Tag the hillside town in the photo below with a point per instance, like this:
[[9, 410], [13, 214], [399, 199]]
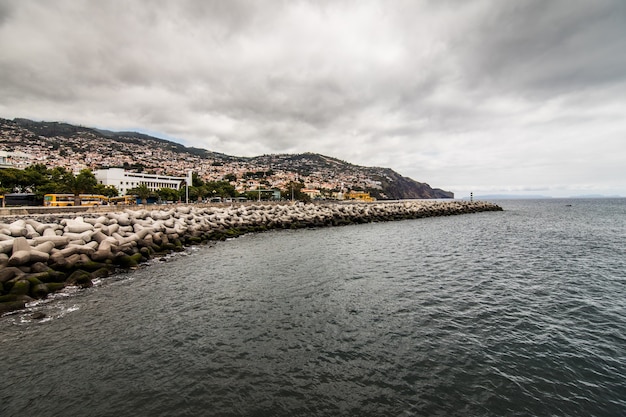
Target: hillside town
[[24, 143], [21, 147]]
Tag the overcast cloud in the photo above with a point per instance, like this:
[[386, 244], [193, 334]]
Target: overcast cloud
[[489, 96]]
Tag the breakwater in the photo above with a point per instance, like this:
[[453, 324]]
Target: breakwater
[[41, 255]]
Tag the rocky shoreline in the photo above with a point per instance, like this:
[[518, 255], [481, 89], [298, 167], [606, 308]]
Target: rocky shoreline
[[43, 254]]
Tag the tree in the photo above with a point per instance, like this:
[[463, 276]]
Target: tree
[[230, 178], [196, 181], [167, 194], [40, 180], [293, 190], [197, 193], [57, 174], [55, 181], [63, 181], [106, 190], [83, 183], [9, 179], [143, 192], [22, 181], [34, 176], [4, 190], [220, 189]]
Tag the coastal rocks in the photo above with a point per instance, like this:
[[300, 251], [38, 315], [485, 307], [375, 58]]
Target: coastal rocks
[[41, 256], [23, 253], [77, 225]]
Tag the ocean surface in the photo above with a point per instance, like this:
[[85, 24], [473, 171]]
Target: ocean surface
[[513, 313]]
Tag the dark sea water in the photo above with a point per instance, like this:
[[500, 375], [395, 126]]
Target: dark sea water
[[514, 313]]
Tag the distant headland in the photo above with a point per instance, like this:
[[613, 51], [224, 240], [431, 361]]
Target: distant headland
[[536, 197]]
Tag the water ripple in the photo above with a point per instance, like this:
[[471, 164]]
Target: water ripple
[[515, 313]]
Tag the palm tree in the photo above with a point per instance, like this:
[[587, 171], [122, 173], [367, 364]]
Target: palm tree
[[143, 192], [83, 183]]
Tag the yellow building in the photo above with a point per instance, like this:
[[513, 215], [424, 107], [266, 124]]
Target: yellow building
[[358, 195], [312, 193]]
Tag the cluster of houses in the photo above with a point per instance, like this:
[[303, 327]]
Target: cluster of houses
[[159, 167], [124, 180]]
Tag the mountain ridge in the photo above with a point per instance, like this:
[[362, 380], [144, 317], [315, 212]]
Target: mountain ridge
[[54, 142]]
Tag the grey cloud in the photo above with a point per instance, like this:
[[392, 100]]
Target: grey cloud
[[547, 47], [5, 11], [433, 87]]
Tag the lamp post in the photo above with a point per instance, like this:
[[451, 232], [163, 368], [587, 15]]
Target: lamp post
[[187, 182]]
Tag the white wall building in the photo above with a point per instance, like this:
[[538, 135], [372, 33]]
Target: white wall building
[[18, 160], [126, 180]]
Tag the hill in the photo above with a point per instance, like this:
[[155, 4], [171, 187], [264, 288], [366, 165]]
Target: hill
[[71, 146]]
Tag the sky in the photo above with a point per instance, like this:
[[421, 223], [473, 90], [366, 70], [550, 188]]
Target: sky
[[524, 97]]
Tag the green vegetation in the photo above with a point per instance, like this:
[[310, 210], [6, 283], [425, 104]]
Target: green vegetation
[[293, 191], [143, 192], [83, 183], [168, 194], [72, 142], [203, 190], [39, 180], [230, 178], [106, 190]]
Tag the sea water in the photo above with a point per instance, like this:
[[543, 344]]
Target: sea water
[[516, 313]]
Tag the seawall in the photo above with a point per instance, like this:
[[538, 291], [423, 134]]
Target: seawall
[[41, 253]]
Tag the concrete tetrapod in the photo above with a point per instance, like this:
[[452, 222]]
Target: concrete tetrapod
[[38, 257]]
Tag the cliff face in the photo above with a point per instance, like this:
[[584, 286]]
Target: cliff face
[[396, 187], [381, 183]]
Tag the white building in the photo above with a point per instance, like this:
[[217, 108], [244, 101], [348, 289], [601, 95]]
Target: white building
[[18, 160], [126, 180]]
